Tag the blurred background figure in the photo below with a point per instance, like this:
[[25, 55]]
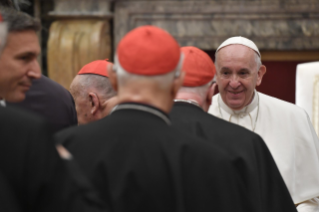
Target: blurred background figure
[[307, 90], [92, 92], [51, 101]]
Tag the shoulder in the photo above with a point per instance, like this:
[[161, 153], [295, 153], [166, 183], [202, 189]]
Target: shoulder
[[54, 87], [280, 105], [194, 145], [12, 116], [82, 133], [20, 129], [50, 83], [231, 133]]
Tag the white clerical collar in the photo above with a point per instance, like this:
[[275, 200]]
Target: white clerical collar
[[2, 103], [142, 107], [190, 101], [248, 109], [246, 117]]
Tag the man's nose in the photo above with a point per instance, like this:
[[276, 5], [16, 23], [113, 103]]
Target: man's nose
[[34, 72], [234, 83]]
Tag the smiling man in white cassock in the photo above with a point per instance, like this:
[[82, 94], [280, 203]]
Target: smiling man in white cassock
[[285, 128]]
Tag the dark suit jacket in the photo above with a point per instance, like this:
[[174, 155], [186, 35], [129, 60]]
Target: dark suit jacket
[[39, 179], [51, 101], [248, 151], [8, 201], [139, 163]]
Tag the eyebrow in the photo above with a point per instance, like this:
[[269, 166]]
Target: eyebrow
[[244, 69], [228, 69], [225, 69], [32, 54]]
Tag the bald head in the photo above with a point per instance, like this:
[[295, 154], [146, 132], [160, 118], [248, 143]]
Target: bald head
[[93, 95], [92, 82]]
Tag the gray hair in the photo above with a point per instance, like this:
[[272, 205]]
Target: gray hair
[[199, 90], [164, 81], [257, 60], [19, 21], [3, 35], [100, 83]]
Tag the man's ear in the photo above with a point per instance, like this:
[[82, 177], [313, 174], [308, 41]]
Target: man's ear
[[260, 74], [210, 93], [95, 103], [113, 77], [177, 83]]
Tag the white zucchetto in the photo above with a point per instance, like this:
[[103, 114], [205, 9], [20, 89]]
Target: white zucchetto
[[240, 40]]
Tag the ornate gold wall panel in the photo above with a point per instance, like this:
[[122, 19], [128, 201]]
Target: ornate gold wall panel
[[74, 43], [315, 106], [272, 24]]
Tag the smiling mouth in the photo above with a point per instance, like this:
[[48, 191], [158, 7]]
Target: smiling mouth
[[235, 92], [26, 85]]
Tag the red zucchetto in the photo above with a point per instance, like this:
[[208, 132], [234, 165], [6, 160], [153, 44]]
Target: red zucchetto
[[198, 66], [148, 50], [98, 67]]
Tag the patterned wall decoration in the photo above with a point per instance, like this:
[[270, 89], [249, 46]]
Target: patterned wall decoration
[[272, 24]]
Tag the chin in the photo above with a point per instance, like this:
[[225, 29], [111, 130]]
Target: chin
[[15, 98], [235, 105]]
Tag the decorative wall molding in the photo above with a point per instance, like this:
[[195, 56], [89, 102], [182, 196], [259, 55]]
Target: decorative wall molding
[[272, 24], [82, 8]]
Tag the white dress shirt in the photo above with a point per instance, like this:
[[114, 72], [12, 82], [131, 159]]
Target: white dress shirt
[[2, 102]]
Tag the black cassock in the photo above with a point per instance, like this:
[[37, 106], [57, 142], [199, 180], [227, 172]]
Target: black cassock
[[138, 162], [8, 201], [36, 178], [254, 162]]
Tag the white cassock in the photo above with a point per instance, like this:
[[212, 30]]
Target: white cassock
[[290, 137]]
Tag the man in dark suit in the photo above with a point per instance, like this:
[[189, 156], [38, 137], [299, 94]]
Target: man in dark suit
[[253, 160], [51, 101], [134, 157], [35, 176]]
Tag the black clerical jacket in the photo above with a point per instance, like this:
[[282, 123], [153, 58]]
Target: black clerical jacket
[[51, 101], [140, 163], [253, 161], [37, 178]]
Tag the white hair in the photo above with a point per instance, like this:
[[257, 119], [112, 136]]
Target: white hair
[[100, 83], [164, 81], [3, 35], [199, 90]]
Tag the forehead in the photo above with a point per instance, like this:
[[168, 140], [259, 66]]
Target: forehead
[[236, 55], [23, 41]]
